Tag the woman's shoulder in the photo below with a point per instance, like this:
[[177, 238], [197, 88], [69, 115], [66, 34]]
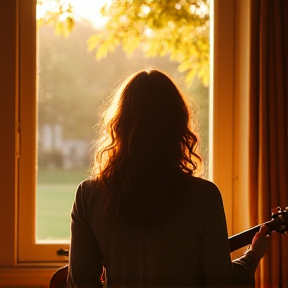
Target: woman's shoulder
[[202, 183], [203, 188], [87, 188], [87, 194], [205, 197], [88, 183]]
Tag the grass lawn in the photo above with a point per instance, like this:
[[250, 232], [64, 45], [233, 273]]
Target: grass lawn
[[55, 195]]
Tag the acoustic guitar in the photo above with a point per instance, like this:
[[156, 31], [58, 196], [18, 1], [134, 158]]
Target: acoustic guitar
[[278, 223]]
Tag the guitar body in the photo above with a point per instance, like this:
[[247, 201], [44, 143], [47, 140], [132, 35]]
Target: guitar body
[[59, 278]]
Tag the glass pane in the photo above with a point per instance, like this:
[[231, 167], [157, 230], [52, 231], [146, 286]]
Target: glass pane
[[72, 85]]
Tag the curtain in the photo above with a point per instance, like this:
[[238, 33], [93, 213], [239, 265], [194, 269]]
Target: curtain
[[268, 130]]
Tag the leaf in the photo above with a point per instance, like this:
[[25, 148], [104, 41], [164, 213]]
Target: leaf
[[174, 29], [101, 52]]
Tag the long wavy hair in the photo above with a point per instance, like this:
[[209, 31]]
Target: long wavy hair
[[147, 137]]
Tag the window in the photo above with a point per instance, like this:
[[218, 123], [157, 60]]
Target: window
[[59, 154], [72, 87], [36, 239], [229, 114]]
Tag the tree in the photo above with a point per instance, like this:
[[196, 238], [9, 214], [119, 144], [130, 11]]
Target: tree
[[178, 28], [72, 86]]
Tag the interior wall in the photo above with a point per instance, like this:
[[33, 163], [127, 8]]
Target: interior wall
[[8, 126]]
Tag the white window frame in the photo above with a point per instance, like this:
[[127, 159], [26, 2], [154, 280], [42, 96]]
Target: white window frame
[[229, 84]]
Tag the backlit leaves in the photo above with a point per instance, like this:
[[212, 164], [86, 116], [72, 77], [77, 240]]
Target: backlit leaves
[[178, 28], [58, 13]]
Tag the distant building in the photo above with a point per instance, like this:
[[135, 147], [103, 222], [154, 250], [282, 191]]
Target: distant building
[[54, 150], [75, 153]]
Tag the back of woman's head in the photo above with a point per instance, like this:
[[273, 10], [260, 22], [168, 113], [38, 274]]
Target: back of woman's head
[[148, 126], [147, 146]]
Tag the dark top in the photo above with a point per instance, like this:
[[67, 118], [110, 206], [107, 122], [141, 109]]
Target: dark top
[[187, 248]]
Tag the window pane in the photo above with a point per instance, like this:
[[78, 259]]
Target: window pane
[[72, 86]]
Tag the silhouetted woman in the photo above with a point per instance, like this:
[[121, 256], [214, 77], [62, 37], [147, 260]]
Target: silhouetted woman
[[144, 215]]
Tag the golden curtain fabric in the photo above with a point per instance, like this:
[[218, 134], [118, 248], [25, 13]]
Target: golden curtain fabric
[[268, 142]]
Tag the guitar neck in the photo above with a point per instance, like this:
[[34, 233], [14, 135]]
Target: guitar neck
[[242, 239], [245, 238]]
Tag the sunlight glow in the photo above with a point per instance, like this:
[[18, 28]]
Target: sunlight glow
[[201, 9], [144, 11], [88, 10]]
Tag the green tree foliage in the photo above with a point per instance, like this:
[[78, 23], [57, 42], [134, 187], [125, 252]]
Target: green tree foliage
[[57, 12], [72, 86], [177, 28]]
